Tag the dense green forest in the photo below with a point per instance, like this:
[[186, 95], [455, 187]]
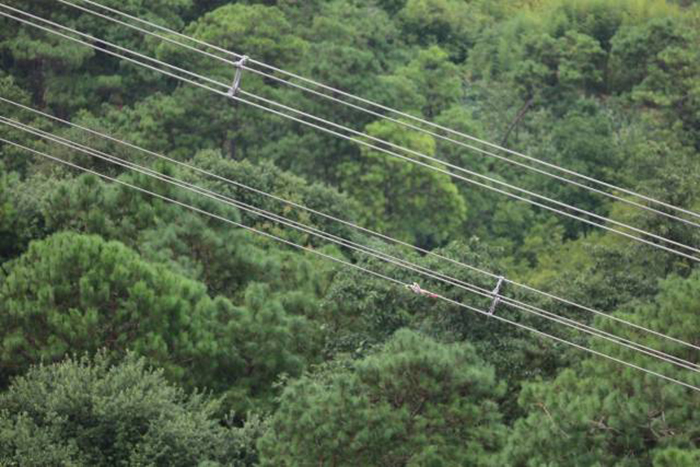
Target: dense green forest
[[134, 331]]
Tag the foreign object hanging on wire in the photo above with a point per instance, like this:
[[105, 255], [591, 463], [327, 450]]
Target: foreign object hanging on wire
[[416, 289]]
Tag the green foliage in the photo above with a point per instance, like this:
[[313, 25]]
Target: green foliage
[[608, 89], [676, 457], [636, 47], [163, 122], [362, 311], [392, 6], [602, 413], [83, 412], [255, 30], [417, 402], [434, 79], [266, 177], [667, 167], [159, 230], [8, 220], [561, 48], [350, 43], [74, 293], [13, 159], [451, 24], [354, 46], [87, 293], [656, 54], [401, 198], [206, 249], [50, 63], [256, 344], [582, 141]]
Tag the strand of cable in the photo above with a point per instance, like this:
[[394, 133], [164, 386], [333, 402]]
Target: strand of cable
[[355, 266], [474, 174], [404, 115], [383, 150], [161, 70], [383, 116], [238, 56], [575, 304], [325, 216], [469, 172], [446, 279], [384, 142], [216, 91]]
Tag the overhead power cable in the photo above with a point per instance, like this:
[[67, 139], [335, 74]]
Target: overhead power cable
[[339, 92], [407, 150], [328, 217], [374, 147], [124, 57], [403, 115], [355, 266], [191, 82], [343, 242]]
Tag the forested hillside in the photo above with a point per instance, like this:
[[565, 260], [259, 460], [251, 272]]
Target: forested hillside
[[209, 259]]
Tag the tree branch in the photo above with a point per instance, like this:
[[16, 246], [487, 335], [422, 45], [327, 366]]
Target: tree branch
[[521, 113]]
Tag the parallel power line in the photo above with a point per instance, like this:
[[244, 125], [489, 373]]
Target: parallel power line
[[309, 210], [363, 142], [99, 49], [352, 265], [189, 81], [403, 115], [344, 242]]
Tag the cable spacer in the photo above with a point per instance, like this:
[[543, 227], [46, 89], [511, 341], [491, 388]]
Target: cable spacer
[[237, 78], [496, 296]]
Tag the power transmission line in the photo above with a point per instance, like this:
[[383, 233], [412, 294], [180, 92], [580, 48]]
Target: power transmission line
[[324, 215], [339, 92], [148, 66], [401, 114], [346, 263], [446, 279], [377, 148], [410, 151]]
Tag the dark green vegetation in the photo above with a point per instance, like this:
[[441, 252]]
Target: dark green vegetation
[[134, 332]]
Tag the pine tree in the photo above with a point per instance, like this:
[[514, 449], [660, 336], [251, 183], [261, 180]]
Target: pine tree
[[101, 413], [416, 402]]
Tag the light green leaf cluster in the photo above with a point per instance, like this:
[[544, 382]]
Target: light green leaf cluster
[[96, 412], [416, 402]]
